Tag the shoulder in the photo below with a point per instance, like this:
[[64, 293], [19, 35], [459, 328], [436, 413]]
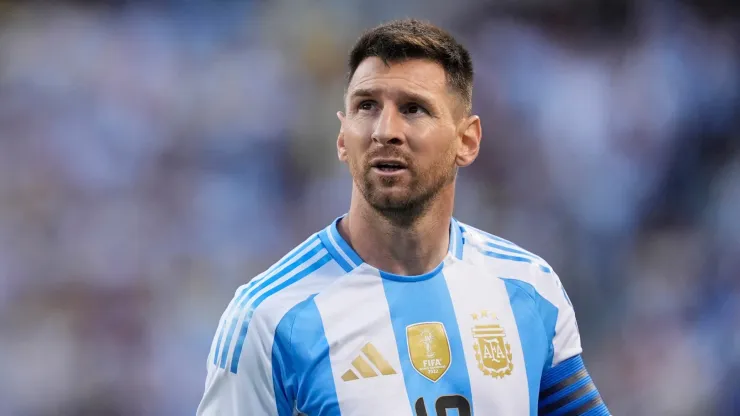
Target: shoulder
[[258, 307], [514, 264], [497, 248], [298, 275]]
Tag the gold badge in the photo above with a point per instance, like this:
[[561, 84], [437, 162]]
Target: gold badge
[[491, 349], [429, 349]]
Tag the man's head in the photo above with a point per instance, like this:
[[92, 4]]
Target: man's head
[[407, 125]]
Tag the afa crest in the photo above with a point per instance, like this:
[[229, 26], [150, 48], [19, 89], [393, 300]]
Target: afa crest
[[491, 349]]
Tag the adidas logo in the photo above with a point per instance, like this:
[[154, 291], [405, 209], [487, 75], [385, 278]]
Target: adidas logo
[[369, 363]]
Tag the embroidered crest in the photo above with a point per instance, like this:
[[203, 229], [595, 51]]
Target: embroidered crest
[[491, 349], [429, 349]]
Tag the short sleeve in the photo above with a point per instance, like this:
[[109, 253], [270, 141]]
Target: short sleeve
[[566, 341], [243, 369]]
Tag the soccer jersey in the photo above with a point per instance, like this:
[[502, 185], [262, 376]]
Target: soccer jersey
[[490, 331]]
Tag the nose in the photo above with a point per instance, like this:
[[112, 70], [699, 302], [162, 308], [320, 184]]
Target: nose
[[389, 127]]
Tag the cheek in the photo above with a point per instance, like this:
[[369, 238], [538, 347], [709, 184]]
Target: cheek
[[356, 143], [355, 137], [354, 149], [438, 147]]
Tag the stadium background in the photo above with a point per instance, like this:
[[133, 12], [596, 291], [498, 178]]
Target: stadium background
[[157, 154]]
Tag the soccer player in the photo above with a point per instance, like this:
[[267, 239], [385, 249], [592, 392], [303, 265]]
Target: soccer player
[[396, 308]]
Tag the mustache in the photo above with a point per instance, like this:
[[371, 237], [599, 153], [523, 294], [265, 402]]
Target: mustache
[[389, 154]]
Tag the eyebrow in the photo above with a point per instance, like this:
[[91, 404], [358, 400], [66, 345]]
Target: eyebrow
[[410, 96]]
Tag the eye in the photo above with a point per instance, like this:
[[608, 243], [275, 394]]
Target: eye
[[414, 108], [366, 105]]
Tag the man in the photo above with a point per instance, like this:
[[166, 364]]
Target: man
[[396, 308]]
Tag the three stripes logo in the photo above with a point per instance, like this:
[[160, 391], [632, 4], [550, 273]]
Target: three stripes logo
[[369, 363]]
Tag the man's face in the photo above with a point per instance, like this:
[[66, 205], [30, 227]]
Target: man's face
[[400, 135]]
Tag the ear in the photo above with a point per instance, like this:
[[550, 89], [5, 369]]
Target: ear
[[341, 149], [470, 136]]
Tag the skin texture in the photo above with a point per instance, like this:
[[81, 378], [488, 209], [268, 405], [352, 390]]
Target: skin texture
[[404, 111]]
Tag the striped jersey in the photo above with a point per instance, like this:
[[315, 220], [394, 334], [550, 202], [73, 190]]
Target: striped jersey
[[490, 331]]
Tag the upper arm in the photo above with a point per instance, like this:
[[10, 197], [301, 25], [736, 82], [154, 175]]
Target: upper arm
[[243, 367], [566, 339], [566, 387]]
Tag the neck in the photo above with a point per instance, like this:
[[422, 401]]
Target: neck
[[407, 248]]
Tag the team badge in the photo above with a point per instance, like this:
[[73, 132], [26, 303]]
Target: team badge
[[429, 349], [491, 349]]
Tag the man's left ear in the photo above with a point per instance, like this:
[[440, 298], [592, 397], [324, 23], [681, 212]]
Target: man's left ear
[[470, 136]]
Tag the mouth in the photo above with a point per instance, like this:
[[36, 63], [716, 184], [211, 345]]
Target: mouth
[[389, 166]]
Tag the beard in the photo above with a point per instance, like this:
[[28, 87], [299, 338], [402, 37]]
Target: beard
[[404, 199]]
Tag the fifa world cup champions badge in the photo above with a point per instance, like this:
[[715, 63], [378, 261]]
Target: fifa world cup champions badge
[[429, 349], [491, 349]]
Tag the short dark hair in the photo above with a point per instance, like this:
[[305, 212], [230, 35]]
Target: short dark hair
[[399, 40]]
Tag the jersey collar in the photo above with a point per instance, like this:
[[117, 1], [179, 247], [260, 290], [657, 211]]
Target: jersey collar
[[349, 260], [339, 249]]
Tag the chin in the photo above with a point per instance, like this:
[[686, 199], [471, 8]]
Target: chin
[[395, 201], [390, 201]]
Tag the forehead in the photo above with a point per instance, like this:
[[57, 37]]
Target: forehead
[[419, 76]]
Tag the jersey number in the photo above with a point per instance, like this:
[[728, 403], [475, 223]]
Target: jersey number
[[443, 404]]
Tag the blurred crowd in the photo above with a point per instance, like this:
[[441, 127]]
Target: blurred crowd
[[157, 154]]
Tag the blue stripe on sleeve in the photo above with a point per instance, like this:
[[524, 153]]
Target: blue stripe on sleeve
[[247, 295], [221, 356], [245, 324], [221, 335], [562, 371], [514, 251], [515, 258], [490, 236], [517, 253], [567, 389], [571, 408]]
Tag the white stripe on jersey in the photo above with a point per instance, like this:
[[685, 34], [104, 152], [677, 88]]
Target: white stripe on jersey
[[490, 395], [362, 295]]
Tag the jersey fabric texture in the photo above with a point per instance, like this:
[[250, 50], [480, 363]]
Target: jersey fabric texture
[[490, 331]]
